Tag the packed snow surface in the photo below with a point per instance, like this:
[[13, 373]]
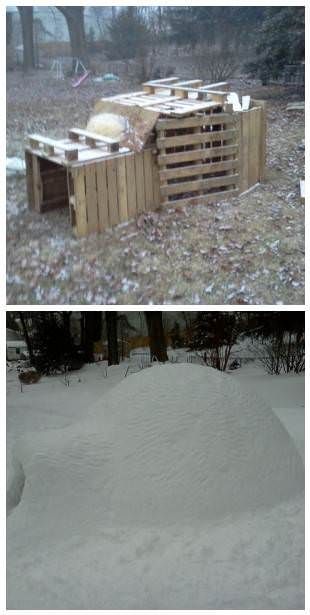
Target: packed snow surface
[[133, 506]]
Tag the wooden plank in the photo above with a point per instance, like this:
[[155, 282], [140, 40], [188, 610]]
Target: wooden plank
[[179, 109], [193, 83], [244, 145], [122, 189], [191, 139], [214, 197], [148, 179], [198, 169], [131, 185], [112, 191], [195, 120], [81, 229], [29, 179], [203, 153], [91, 198], [36, 140], [251, 146], [140, 186], [212, 86], [199, 89], [254, 146], [200, 184], [156, 183], [150, 86], [92, 138], [263, 135], [37, 184], [102, 196]]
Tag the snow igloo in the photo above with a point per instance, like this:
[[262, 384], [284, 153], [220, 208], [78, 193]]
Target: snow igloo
[[173, 443]]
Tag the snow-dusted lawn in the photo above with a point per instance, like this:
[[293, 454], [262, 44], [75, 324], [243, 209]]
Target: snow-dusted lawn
[[71, 547]]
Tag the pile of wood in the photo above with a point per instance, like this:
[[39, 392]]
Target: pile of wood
[[185, 144]]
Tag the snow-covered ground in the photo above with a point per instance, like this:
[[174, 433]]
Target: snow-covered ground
[[177, 487]]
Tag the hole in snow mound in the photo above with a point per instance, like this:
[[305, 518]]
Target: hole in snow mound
[[171, 444]]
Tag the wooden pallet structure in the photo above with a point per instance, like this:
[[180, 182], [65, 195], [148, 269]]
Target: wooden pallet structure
[[194, 149]]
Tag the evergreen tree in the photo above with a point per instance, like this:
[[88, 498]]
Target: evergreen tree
[[128, 35], [280, 41], [51, 344]]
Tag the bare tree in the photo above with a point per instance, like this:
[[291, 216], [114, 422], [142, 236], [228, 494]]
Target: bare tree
[[26, 16], [74, 16], [23, 320], [158, 346]]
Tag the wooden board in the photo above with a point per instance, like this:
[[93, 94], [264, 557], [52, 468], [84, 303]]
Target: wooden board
[[148, 179], [29, 179], [81, 228], [112, 191], [214, 197], [195, 120], [122, 190], [200, 185], [198, 169], [91, 198], [37, 184], [156, 182], [191, 155], [196, 138], [140, 186], [131, 186], [102, 189]]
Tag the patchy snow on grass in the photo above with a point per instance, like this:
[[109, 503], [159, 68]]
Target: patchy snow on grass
[[174, 487]]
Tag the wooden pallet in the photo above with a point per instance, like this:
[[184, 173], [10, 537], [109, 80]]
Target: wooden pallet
[[198, 157], [80, 146], [99, 194], [174, 97]]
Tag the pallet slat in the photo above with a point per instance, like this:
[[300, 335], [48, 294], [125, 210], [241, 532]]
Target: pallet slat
[[199, 184], [194, 138], [112, 191], [91, 198], [103, 208], [148, 179], [198, 169], [122, 190], [80, 203], [191, 155], [131, 186], [214, 197], [195, 120], [92, 138], [140, 183]]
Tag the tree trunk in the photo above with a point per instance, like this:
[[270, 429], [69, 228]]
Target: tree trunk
[[111, 322], [26, 335], [75, 22], [158, 346], [92, 333], [26, 15]]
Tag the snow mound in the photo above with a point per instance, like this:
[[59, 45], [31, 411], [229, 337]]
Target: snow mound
[[107, 125], [171, 444]]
